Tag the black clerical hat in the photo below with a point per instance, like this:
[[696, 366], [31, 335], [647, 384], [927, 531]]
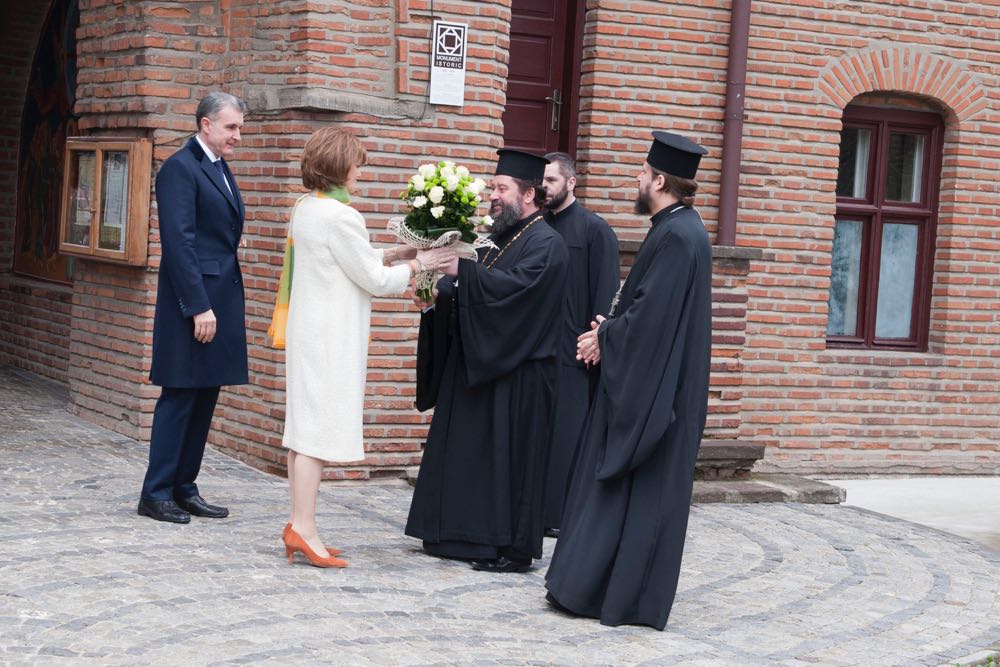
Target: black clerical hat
[[518, 164], [675, 155]]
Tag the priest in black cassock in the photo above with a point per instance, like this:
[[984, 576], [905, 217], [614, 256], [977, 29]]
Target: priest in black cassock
[[486, 362], [619, 551], [593, 280]]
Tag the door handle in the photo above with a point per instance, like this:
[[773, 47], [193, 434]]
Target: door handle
[[556, 99]]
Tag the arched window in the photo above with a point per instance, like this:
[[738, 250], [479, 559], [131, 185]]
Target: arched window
[[883, 245]]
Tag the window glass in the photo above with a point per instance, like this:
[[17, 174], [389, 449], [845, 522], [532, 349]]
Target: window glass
[[845, 278], [897, 271], [852, 179], [81, 197], [905, 173], [114, 203]]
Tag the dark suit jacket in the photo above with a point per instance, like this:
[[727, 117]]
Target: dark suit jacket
[[200, 229]]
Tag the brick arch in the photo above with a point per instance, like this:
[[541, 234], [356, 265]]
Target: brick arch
[[903, 70]]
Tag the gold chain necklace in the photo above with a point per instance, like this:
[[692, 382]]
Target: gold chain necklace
[[509, 243]]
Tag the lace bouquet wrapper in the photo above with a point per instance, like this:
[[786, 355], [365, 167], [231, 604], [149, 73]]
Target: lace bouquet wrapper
[[443, 200]]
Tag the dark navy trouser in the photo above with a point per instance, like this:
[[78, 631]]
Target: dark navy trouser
[[181, 422]]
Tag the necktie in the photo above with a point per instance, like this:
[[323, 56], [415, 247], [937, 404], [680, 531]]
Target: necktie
[[222, 174]]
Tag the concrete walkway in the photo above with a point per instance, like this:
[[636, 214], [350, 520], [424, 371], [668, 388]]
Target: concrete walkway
[[966, 506], [85, 581]]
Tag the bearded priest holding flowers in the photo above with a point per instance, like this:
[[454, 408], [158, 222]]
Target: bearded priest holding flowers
[[486, 361]]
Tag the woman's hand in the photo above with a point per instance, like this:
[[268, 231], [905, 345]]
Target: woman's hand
[[437, 259], [404, 252], [398, 253]]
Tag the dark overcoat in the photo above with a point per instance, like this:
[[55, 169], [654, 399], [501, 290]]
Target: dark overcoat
[[200, 229]]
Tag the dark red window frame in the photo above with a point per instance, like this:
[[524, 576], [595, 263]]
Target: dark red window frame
[[874, 211]]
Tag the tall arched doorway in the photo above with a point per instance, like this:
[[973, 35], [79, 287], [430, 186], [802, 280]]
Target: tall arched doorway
[[46, 120]]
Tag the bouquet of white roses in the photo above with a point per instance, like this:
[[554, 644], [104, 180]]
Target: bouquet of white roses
[[443, 199]]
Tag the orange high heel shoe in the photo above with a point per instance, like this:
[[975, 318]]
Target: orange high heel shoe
[[333, 550], [294, 542]]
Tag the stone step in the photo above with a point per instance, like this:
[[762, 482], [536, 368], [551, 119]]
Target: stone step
[[767, 488], [727, 459]]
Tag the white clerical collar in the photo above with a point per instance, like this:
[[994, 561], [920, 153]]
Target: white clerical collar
[[208, 151]]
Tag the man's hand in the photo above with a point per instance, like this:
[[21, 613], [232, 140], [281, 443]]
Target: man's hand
[[588, 349], [420, 303], [451, 268], [204, 326]]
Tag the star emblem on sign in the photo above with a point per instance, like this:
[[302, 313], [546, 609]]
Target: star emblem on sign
[[449, 41]]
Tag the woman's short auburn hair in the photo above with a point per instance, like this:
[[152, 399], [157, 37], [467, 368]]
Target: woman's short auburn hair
[[328, 157]]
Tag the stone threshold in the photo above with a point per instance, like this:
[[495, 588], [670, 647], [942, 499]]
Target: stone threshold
[[767, 488]]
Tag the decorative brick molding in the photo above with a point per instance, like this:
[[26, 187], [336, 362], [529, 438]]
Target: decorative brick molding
[[903, 69]]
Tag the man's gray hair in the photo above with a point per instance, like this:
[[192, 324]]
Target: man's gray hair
[[567, 165], [214, 102]]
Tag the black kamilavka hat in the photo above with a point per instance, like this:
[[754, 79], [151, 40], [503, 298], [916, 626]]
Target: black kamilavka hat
[[675, 155], [519, 164]]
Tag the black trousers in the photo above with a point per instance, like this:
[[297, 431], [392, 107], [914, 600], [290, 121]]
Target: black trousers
[[181, 422]]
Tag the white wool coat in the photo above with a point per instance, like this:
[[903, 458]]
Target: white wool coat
[[335, 275]]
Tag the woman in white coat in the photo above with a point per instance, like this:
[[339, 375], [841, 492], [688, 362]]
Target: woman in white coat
[[335, 274]]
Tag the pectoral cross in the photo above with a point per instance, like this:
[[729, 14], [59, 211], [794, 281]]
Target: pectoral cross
[[614, 302]]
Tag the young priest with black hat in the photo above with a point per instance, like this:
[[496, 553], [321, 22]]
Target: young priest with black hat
[[486, 362], [619, 551]]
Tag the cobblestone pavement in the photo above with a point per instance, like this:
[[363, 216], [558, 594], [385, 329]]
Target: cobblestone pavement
[[84, 580]]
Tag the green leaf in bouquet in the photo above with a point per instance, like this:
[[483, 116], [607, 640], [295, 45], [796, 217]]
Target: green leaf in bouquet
[[438, 231]]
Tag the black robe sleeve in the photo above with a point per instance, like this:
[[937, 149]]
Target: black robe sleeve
[[604, 268], [436, 329], [642, 351], [505, 314]]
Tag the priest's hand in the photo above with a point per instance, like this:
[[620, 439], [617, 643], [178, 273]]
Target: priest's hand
[[451, 269], [420, 303], [588, 348]]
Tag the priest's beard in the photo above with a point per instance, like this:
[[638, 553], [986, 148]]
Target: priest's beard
[[557, 199], [642, 205], [505, 216]]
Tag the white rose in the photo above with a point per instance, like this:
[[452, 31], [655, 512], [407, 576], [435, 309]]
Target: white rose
[[420, 202], [449, 164], [417, 182], [447, 172], [436, 194], [427, 170], [452, 183], [437, 211], [486, 220], [462, 172], [477, 186]]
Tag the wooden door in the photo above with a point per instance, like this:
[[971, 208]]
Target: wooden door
[[544, 74]]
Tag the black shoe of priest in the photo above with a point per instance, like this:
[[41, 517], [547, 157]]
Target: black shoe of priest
[[502, 564]]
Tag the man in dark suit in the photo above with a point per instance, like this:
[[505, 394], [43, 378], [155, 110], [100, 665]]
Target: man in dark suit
[[199, 333]]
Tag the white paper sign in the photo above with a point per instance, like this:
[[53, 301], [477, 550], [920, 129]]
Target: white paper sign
[[448, 63]]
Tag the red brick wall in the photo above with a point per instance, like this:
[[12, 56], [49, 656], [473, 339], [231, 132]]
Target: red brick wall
[[34, 315], [837, 411], [635, 81]]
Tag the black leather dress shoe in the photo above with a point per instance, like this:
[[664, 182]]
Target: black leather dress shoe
[[163, 510], [501, 564], [551, 532], [197, 506]]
